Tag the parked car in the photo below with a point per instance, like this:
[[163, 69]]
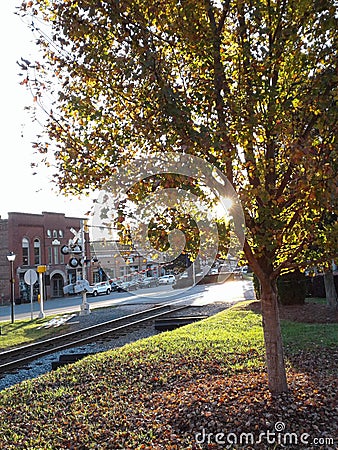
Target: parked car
[[238, 274], [113, 286], [167, 279], [184, 275], [68, 289], [148, 282], [103, 287], [81, 286], [77, 288], [126, 286], [133, 285]]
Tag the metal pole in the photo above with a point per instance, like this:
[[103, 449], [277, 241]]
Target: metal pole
[[85, 307], [31, 290], [41, 314], [12, 291]]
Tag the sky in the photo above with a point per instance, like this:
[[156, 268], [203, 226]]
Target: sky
[[21, 191]]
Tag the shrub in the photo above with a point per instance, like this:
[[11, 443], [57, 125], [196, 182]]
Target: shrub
[[292, 288], [316, 286]]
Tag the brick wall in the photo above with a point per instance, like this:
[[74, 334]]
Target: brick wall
[[50, 231], [4, 264]]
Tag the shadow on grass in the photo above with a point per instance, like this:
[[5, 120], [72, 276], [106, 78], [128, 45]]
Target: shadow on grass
[[310, 337]]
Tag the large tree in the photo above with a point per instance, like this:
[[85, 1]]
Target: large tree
[[250, 86]]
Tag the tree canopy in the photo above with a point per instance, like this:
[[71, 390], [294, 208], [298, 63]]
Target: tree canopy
[[249, 86]]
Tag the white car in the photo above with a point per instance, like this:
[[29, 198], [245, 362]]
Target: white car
[[102, 287], [81, 286], [167, 279], [238, 274]]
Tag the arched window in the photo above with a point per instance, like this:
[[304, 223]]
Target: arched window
[[25, 252], [37, 252]]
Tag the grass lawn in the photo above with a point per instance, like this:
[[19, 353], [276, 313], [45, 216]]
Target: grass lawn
[[26, 331], [308, 336], [317, 300], [198, 387]]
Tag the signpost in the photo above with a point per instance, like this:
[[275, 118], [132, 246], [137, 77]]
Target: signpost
[[41, 270], [85, 307], [73, 248], [31, 278]]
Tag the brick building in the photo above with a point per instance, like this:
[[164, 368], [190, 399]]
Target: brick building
[[37, 239]]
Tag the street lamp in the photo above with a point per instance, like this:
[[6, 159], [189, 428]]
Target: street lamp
[[11, 258]]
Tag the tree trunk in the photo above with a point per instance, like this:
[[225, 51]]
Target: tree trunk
[[273, 338], [330, 290]]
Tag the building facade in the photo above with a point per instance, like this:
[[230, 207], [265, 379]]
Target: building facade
[[121, 263], [37, 239]]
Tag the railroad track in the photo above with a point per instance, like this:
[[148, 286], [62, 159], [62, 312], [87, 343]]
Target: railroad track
[[20, 356]]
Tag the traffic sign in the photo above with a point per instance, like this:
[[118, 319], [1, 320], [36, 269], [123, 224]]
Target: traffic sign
[[73, 262], [30, 277], [65, 249]]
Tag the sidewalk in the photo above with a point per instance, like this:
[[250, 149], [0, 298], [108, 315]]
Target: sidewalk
[[72, 304], [54, 306]]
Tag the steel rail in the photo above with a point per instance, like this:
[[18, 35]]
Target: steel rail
[[74, 339]]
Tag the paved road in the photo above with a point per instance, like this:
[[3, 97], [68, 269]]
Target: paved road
[[230, 291]]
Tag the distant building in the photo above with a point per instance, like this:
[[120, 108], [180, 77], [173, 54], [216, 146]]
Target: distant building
[[114, 261], [37, 239]]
